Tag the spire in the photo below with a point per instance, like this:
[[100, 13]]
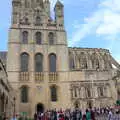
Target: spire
[[59, 13], [47, 6]]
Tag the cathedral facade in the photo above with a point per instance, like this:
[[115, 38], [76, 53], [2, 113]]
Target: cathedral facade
[[44, 72]]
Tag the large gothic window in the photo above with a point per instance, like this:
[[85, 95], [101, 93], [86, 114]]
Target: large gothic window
[[52, 63], [24, 62], [25, 37], [38, 62], [51, 38], [38, 37], [24, 94], [53, 90]]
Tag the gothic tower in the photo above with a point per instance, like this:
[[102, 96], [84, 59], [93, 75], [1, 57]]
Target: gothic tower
[[37, 55]]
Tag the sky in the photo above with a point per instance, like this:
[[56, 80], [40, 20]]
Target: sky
[[89, 23]]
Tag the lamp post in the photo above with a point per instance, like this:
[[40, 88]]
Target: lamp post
[[14, 99]]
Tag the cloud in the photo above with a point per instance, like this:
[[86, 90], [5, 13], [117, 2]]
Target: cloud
[[103, 22]]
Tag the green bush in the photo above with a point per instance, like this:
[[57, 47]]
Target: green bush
[[118, 102]]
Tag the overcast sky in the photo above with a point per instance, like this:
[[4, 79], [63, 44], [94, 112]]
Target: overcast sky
[[89, 23]]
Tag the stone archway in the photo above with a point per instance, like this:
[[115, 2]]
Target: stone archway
[[76, 104], [40, 108], [89, 104]]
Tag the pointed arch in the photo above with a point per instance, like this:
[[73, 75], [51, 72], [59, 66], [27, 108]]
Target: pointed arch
[[71, 61], [25, 37], [95, 61], [52, 62], [51, 38], [82, 61], [53, 92], [24, 94], [100, 91], [24, 62], [26, 21], [38, 37], [38, 62], [38, 21], [88, 92]]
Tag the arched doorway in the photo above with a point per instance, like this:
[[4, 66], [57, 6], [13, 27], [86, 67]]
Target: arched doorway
[[76, 104], [40, 108], [89, 104]]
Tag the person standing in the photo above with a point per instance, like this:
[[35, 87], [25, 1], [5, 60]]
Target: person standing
[[92, 115], [110, 115], [35, 116], [88, 115]]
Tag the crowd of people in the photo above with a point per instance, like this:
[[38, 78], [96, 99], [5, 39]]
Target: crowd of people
[[106, 113], [76, 114]]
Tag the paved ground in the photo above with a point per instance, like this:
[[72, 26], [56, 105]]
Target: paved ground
[[104, 117]]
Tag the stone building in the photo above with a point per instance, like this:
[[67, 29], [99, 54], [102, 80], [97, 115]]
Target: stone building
[[6, 99], [44, 72]]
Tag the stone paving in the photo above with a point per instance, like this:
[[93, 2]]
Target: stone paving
[[105, 117]]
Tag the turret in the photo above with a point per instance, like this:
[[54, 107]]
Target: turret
[[47, 7], [15, 12], [59, 13], [39, 3]]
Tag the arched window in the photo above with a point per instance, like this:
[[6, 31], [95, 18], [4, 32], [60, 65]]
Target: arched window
[[88, 92], [100, 92], [26, 21], [25, 37], [24, 62], [53, 90], [38, 62], [38, 20], [24, 94], [95, 61], [72, 65], [82, 61], [38, 37], [51, 38], [52, 63], [75, 92]]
